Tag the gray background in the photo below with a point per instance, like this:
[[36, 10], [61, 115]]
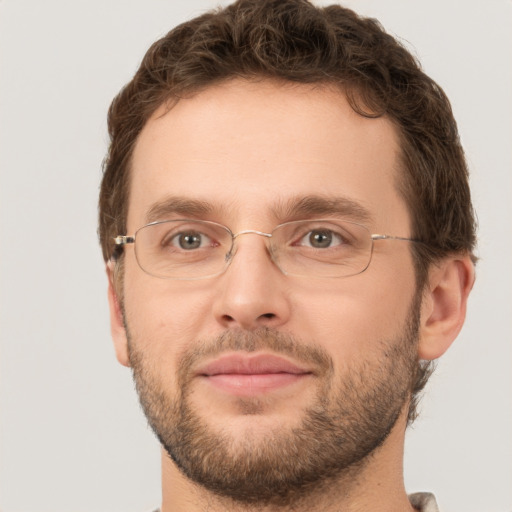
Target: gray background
[[72, 437]]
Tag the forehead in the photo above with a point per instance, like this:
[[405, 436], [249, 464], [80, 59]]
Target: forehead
[[243, 148]]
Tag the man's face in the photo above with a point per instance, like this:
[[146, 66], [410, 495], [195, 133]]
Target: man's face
[[205, 352]]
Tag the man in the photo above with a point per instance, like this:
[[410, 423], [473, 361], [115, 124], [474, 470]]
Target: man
[[287, 225]]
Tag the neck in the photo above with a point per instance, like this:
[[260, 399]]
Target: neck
[[377, 484]]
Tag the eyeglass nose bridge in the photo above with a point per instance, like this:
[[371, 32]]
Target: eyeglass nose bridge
[[232, 251], [252, 231]]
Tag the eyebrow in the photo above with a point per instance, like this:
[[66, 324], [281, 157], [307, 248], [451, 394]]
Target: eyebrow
[[295, 208], [314, 205], [175, 205]]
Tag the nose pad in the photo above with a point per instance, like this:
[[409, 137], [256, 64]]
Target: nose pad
[[228, 258], [274, 256]]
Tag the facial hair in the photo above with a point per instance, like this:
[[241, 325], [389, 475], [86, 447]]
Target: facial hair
[[351, 415]]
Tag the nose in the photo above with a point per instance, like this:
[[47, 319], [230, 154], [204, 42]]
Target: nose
[[252, 291]]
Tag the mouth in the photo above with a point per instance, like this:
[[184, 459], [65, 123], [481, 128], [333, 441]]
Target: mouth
[[252, 374]]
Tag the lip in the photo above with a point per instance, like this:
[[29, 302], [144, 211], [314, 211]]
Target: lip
[[249, 375]]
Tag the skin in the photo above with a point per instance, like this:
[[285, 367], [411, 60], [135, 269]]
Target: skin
[[243, 147]]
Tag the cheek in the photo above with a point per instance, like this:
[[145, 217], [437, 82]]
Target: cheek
[[349, 317], [163, 316]]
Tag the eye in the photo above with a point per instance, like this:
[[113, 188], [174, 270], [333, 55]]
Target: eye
[[189, 240], [321, 239]]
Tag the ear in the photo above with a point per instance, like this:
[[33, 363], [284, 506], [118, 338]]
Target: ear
[[117, 328], [444, 305]]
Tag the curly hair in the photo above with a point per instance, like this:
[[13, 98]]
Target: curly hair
[[293, 40]]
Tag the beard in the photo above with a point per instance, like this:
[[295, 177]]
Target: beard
[[351, 415]]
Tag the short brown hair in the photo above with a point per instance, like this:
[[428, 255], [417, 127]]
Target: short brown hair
[[292, 40]]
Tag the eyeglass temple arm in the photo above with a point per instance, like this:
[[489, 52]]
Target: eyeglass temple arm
[[123, 240], [390, 237]]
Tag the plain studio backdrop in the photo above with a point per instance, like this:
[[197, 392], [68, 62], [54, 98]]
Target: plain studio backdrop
[[72, 435]]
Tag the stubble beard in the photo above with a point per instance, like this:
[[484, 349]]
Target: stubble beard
[[350, 417]]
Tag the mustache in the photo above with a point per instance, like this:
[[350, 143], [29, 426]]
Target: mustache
[[261, 339]]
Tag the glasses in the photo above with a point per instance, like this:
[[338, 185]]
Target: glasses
[[197, 249]]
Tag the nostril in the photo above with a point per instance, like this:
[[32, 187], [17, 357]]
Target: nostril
[[268, 315]]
